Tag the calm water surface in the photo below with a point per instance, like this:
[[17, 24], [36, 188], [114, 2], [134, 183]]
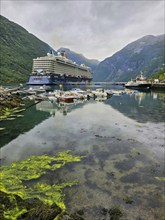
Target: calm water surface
[[122, 139]]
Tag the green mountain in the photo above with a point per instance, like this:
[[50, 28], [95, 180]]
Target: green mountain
[[146, 54], [160, 75], [17, 49]]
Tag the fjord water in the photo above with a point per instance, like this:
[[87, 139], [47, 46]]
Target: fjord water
[[122, 139]]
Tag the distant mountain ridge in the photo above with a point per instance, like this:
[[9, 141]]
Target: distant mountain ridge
[[79, 58], [146, 54]]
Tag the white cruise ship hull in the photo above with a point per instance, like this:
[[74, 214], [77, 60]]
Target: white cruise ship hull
[[54, 80]]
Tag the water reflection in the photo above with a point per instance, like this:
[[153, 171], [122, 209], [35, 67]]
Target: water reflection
[[87, 124], [142, 107], [21, 125], [122, 154], [62, 107]]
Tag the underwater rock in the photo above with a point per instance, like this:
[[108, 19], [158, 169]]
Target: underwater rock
[[134, 177], [113, 213], [128, 200], [104, 211], [125, 165], [9, 100], [77, 216], [110, 176], [66, 217], [88, 174], [38, 210], [13, 207], [31, 209]]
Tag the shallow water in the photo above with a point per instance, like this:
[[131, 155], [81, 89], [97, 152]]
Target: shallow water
[[122, 139]]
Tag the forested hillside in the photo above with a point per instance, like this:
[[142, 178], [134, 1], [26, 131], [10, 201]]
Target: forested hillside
[[17, 49]]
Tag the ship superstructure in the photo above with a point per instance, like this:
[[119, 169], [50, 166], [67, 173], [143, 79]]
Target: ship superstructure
[[53, 69], [139, 83]]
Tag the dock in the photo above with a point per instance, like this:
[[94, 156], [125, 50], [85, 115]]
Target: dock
[[158, 86], [96, 83]]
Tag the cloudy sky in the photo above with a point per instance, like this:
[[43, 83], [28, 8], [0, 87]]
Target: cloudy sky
[[97, 29]]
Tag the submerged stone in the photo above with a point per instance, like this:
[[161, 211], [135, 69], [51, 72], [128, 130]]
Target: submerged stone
[[115, 213]]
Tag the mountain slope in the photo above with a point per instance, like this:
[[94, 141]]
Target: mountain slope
[[18, 48], [145, 54], [80, 59]]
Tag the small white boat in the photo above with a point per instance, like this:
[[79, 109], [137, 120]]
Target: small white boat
[[99, 93], [79, 93]]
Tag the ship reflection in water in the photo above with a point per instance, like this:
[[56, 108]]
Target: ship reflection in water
[[62, 107], [122, 139], [140, 106]]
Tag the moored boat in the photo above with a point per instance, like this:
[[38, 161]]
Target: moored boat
[[139, 83], [99, 92], [55, 70]]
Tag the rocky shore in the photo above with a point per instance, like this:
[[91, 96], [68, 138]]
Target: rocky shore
[[8, 99], [31, 209]]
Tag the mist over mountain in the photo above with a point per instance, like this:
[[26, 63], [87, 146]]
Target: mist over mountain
[[146, 54]]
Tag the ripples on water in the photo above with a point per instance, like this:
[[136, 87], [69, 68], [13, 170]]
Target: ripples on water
[[122, 139]]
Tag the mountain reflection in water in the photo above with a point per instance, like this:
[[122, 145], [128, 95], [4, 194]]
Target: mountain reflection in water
[[142, 107]]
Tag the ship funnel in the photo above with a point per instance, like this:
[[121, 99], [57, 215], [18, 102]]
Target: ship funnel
[[63, 54]]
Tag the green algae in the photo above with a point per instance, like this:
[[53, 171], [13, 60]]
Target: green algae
[[160, 178], [15, 176], [53, 193], [1, 129], [12, 214], [19, 116], [10, 119], [10, 208], [20, 110], [10, 113]]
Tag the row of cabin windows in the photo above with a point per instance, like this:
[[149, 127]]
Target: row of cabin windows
[[62, 69]]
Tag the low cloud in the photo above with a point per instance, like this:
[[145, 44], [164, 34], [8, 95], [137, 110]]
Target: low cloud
[[96, 29]]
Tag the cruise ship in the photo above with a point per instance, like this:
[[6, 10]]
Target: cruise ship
[[54, 70]]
